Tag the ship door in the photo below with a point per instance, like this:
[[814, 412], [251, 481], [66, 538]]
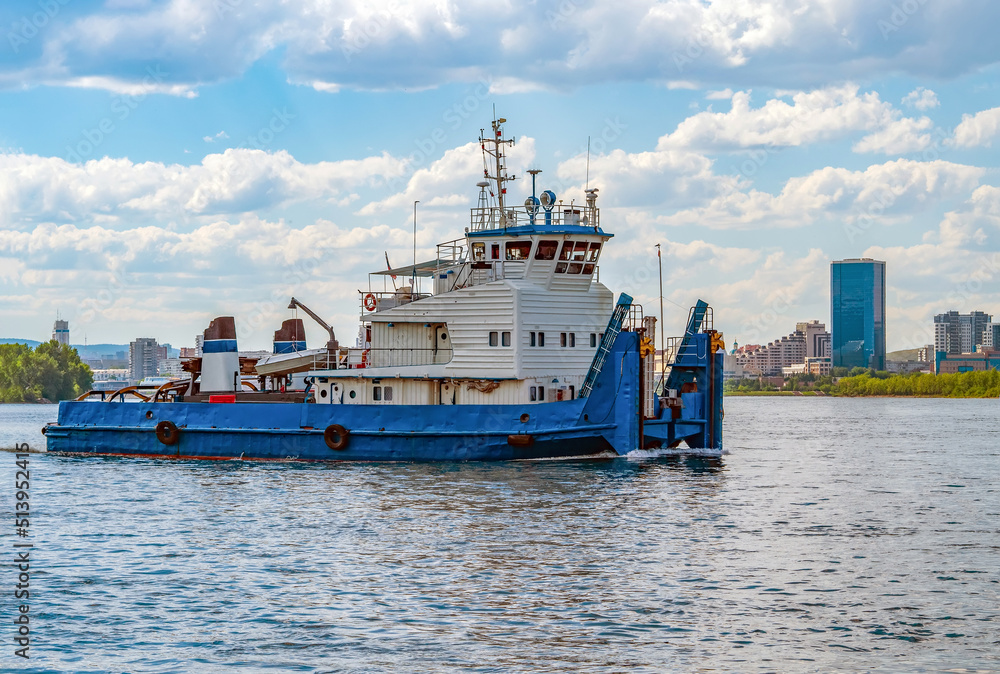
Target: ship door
[[447, 393], [336, 394], [442, 344]]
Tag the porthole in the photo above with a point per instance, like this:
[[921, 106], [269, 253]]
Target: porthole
[[525, 418], [322, 393], [149, 414], [354, 394]]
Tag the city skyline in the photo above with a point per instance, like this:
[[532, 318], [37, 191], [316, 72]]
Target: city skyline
[[160, 177]]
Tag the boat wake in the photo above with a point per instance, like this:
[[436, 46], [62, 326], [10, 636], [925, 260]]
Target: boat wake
[[643, 454]]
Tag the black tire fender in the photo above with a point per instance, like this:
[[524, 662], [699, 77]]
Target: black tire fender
[[168, 433], [336, 437]]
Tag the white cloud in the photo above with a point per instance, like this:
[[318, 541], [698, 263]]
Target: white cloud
[[370, 45], [883, 191], [899, 136], [811, 117], [921, 99], [212, 139], [723, 95], [36, 188], [978, 130]]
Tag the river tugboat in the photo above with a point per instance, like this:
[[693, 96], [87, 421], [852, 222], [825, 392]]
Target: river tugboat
[[505, 346]]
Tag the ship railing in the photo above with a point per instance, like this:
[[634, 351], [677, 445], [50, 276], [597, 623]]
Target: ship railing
[[389, 299], [487, 271], [492, 217], [357, 358], [452, 251]]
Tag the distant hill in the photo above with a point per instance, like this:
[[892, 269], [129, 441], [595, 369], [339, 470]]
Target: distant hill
[[30, 342], [905, 354], [90, 351]]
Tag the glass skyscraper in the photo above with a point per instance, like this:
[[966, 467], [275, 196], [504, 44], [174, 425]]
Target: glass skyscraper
[[857, 313]]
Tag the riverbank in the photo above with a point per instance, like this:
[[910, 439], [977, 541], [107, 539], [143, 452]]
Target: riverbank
[[870, 384]]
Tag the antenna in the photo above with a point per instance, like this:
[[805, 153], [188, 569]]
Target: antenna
[[413, 282], [663, 329], [588, 163]]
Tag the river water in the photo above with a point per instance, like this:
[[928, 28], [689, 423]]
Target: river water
[[836, 534]]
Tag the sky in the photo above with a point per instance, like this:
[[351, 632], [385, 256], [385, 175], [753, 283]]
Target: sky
[[164, 163]]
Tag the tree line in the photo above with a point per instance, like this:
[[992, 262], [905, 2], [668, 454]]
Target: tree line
[[50, 371], [863, 382]]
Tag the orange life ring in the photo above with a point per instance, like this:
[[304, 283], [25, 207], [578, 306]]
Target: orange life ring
[[370, 302]]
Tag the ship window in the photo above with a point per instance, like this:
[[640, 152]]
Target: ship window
[[546, 250], [505, 338], [572, 339], [494, 339], [531, 339], [588, 269], [595, 250], [567, 251], [534, 393], [388, 393], [580, 251], [572, 393], [322, 393], [377, 393], [560, 267], [354, 394], [593, 339], [575, 267], [495, 251], [478, 251], [541, 393], [518, 250], [541, 339], [562, 339]]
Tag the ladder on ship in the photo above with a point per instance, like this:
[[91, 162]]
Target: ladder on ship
[[699, 316], [607, 340]]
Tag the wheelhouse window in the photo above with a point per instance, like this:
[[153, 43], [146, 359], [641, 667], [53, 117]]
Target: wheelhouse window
[[572, 257], [518, 250], [594, 252], [546, 250]]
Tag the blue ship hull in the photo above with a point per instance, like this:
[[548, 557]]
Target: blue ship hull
[[606, 421]]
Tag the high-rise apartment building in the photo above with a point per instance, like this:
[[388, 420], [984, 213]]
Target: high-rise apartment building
[[60, 332], [857, 313], [956, 333], [143, 358]]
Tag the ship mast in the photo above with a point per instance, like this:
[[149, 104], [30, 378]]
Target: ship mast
[[494, 147]]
